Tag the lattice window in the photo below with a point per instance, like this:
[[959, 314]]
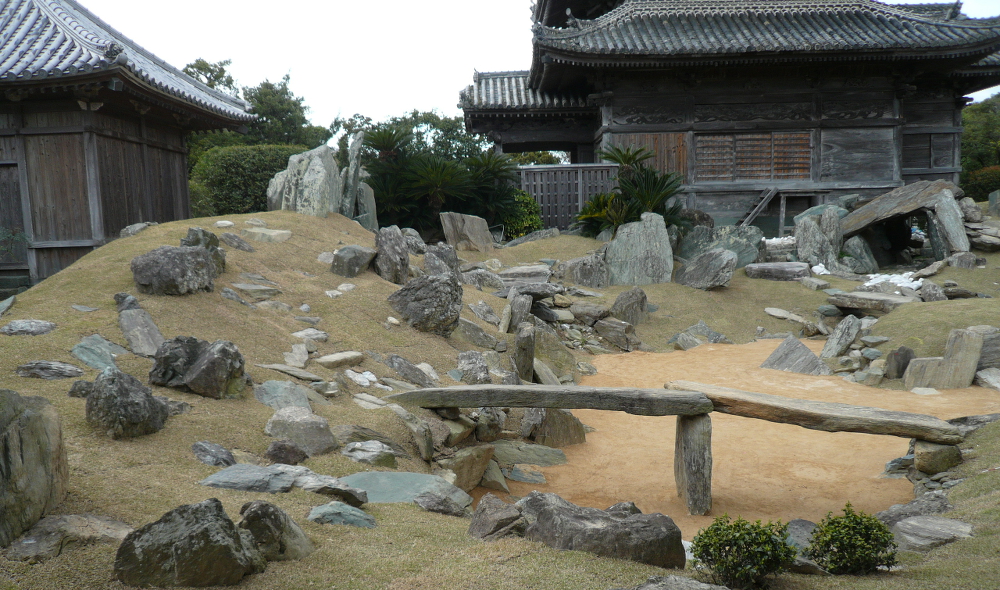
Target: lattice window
[[753, 156]]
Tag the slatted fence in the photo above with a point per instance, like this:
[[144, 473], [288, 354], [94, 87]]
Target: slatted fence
[[562, 189]]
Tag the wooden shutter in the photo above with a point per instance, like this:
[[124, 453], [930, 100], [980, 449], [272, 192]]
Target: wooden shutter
[[792, 156], [715, 157], [669, 149]]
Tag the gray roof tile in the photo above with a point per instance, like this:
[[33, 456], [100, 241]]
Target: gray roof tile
[[42, 39], [510, 90], [715, 28]]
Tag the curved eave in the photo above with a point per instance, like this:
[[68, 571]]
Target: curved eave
[[527, 112]]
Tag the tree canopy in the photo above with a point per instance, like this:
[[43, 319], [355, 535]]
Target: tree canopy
[[214, 75], [981, 139]]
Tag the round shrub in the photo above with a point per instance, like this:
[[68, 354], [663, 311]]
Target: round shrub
[[855, 543], [982, 182], [526, 218], [742, 555], [237, 176]]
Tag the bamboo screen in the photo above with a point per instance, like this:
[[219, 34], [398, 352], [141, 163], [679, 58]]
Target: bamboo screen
[[753, 156]]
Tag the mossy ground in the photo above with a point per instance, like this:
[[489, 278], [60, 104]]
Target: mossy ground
[[138, 480]]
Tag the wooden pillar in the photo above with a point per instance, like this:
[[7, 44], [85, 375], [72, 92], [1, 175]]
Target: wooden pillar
[[93, 172], [693, 462]]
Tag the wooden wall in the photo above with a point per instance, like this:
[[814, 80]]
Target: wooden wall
[[73, 179]]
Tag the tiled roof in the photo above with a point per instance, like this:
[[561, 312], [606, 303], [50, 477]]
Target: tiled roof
[[714, 28], [42, 39], [510, 90]]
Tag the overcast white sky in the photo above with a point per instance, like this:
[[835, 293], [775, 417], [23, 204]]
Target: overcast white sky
[[375, 57]]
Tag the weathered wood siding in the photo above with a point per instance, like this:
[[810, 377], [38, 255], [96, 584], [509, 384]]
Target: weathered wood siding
[[562, 190], [859, 155], [11, 216], [57, 183], [670, 152]]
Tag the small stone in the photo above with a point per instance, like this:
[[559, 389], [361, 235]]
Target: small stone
[[212, 454], [80, 308], [49, 370], [223, 224], [27, 328], [340, 513], [260, 234], [925, 391], [372, 452], [285, 452]]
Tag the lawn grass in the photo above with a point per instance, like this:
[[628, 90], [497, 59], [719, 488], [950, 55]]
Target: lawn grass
[[136, 481]]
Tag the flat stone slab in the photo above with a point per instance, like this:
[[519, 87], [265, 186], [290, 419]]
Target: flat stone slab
[[510, 453], [923, 533], [641, 402], [876, 302], [389, 487], [294, 372], [97, 352], [257, 292], [778, 271], [340, 359], [825, 416], [262, 234], [27, 328]]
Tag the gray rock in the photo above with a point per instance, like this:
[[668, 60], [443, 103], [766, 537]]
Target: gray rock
[[524, 352], [408, 371], [348, 433], [746, 242], [307, 430], [387, 487], [430, 303], [652, 539], [482, 279], [590, 271], [445, 255], [311, 184], [932, 458], [27, 328], [392, 260], [285, 452], [202, 238], [814, 284], [7, 303], [420, 430], [473, 367], [141, 333], [251, 478], [257, 292], [371, 452], [621, 334], [970, 210], [709, 270], [439, 504], [524, 474], [212, 454], [489, 424], [520, 309], [495, 519], [213, 370], [350, 261], [791, 355], [923, 533], [673, 583], [552, 427], [484, 312], [97, 352], [469, 464], [589, 314], [275, 534], [537, 291], [530, 273], [989, 378], [131, 230], [897, 361], [543, 373], [81, 389], [842, 338], [631, 306], [475, 335], [956, 369], [534, 236], [236, 242], [193, 545], [48, 370], [340, 359], [702, 331], [640, 253], [282, 394], [860, 258], [937, 197], [494, 479], [170, 270], [507, 453], [54, 535], [340, 513], [415, 243], [467, 232], [929, 504], [122, 407], [778, 271], [35, 477]]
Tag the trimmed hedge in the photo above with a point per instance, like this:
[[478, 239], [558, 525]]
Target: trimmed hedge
[[236, 177], [526, 219]]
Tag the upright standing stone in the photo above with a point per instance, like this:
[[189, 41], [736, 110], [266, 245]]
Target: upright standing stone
[[842, 338], [994, 208], [467, 232], [392, 262], [640, 253], [897, 361], [520, 309], [310, 185], [524, 351], [955, 370], [710, 270], [631, 306], [693, 462], [791, 355]]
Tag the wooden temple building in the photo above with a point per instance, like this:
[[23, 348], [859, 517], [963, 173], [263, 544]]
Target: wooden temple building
[[92, 134], [806, 99]]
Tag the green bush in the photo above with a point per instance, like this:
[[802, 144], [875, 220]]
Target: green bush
[[982, 182], [201, 200], [742, 555], [855, 543], [526, 218], [236, 177]]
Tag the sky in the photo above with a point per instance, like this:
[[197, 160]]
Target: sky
[[380, 58]]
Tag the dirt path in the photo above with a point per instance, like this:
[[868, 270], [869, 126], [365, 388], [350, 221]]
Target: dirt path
[[761, 470]]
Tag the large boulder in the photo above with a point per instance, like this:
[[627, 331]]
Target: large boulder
[[173, 270], [122, 407], [392, 258], [275, 534], [589, 271], [552, 427], [746, 242], [34, 471], [350, 261], [640, 253], [631, 306], [213, 370], [310, 185], [923, 533], [652, 539], [709, 270], [430, 303], [193, 545], [307, 430], [467, 232], [495, 519], [469, 464]]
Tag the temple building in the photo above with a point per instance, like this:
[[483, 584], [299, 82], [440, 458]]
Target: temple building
[[807, 99], [92, 134]]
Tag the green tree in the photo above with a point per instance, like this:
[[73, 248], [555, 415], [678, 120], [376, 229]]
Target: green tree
[[213, 74], [981, 139], [538, 158], [281, 116]]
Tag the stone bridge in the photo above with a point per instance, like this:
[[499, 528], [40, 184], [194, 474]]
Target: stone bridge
[[692, 403]]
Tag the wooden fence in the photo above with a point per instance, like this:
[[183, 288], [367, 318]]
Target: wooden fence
[[562, 189]]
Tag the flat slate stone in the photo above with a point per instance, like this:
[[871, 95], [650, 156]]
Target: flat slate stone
[[262, 234], [27, 328], [294, 372], [49, 370], [250, 478], [281, 394], [825, 416], [389, 487], [923, 533], [6, 304], [97, 352], [793, 356], [778, 271], [508, 452], [642, 402], [80, 308], [340, 513], [140, 331], [871, 302]]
